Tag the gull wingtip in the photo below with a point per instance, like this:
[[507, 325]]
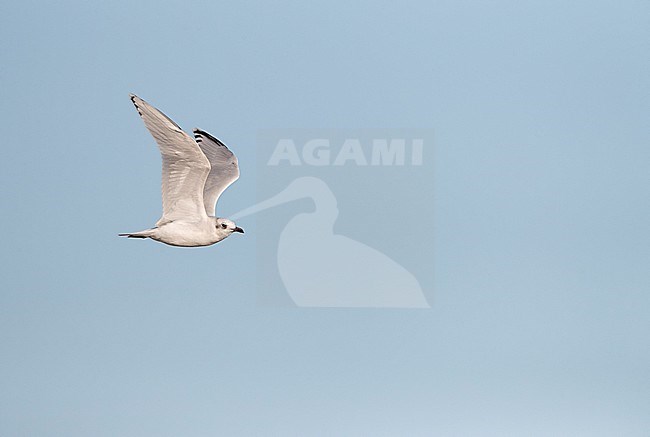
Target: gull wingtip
[[135, 99], [135, 103]]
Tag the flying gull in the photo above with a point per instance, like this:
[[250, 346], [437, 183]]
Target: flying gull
[[195, 171]]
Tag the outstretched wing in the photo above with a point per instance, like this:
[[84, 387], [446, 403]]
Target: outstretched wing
[[224, 169], [184, 166]]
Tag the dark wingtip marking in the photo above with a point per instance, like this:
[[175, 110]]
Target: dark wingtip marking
[[133, 97], [198, 134]]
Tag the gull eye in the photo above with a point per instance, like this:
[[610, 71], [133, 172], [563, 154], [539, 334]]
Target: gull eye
[[224, 226]]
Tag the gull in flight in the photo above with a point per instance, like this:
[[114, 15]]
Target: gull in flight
[[195, 171]]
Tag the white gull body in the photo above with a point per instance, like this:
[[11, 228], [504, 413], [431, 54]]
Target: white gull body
[[195, 171]]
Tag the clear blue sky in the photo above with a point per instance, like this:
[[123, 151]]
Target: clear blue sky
[[541, 314]]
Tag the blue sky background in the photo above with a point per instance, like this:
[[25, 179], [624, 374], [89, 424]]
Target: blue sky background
[[541, 314]]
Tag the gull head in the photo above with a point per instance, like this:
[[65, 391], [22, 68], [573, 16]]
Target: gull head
[[226, 227]]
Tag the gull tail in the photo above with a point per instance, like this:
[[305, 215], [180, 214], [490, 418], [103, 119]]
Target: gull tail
[[142, 234]]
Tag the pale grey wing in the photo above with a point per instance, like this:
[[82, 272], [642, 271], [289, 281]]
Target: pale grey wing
[[184, 166], [224, 169]]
